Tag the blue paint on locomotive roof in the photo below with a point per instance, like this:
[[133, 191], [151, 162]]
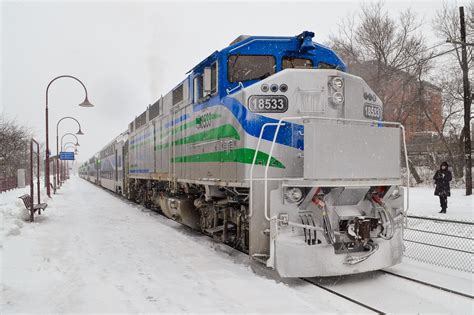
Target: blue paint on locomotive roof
[[278, 46], [205, 62], [290, 134]]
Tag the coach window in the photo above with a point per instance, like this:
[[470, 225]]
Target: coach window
[[249, 67], [298, 63]]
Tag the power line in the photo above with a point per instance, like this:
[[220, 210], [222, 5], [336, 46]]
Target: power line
[[459, 43], [426, 59], [435, 46]]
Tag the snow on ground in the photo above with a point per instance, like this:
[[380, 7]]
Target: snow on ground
[[447, 278], [423, 202], [93, 252], [13, 212]]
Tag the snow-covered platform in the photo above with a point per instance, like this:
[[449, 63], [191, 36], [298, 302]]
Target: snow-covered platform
[[94, 252]]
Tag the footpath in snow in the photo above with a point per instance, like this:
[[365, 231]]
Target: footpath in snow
[[94, 252]]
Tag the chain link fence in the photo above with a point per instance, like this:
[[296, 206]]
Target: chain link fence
[[441, 242]]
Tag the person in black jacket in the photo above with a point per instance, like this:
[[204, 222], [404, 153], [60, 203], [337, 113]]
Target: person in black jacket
[[442, 178]]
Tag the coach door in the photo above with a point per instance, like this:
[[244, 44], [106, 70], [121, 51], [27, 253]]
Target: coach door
[[116, 165]]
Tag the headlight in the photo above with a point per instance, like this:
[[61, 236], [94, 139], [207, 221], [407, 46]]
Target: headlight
[[338, 98], [395, 194], [294, 194], [337, 83]]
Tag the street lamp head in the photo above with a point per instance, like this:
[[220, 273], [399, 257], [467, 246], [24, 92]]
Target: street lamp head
[[79, 132], [86, 103], [77, 144]]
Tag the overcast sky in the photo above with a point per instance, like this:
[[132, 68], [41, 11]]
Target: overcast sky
[[129, 53]]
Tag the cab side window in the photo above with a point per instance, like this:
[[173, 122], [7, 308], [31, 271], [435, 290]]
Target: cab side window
[[214, 78], [198, 88]]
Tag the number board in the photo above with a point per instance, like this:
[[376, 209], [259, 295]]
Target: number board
[[268, 103], [372, 111]]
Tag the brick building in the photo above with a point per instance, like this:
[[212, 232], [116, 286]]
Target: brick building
[[419, 108]]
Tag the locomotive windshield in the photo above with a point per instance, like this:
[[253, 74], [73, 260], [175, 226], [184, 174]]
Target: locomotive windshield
[[298, 63], [250, 67]]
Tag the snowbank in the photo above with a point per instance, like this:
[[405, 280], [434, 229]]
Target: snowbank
[[13, 212]]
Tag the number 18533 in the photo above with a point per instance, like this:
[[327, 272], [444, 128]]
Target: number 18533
[[373, 111], [268, 103]]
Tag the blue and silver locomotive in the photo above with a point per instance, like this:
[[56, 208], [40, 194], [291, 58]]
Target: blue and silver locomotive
[[269, 145]]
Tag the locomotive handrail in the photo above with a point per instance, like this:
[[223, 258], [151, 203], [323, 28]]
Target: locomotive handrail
[[253, 164], [280, 123]]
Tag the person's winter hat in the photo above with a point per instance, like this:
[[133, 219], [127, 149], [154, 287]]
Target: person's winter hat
[[445, 164]]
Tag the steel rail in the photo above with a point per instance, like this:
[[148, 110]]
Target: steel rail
[[428, 284], [343, 296]]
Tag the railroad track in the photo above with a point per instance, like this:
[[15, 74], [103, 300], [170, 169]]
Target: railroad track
[[427, 284], [356, 300], [320, 283], [373, 309]]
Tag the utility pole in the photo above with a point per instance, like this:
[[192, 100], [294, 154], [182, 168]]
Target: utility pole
[[467, 106]]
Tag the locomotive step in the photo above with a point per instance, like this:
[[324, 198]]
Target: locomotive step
[[216, 229]]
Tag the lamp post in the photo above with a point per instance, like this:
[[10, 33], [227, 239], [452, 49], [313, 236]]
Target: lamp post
[[69, 145], [69, 134], [85, 103], [62, 147], [58, 180]]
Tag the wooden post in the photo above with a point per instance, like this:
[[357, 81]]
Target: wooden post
[[38, 174], [38, 169]]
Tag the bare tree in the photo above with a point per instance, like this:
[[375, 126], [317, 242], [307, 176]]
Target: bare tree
[[390, 54], [446, 25], [14, 140], [382, 42], [449, 76]]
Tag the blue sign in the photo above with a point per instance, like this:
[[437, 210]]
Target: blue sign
[[66, 156]]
